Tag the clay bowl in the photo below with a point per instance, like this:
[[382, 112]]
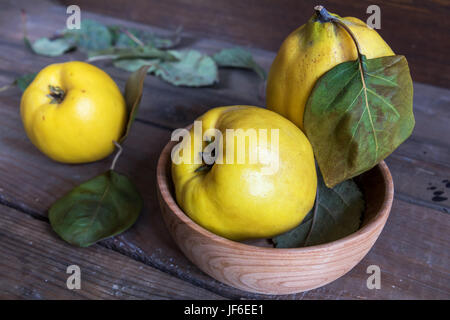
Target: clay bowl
[[271, 270]]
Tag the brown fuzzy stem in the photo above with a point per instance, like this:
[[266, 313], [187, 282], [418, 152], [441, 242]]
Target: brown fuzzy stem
[[56, 94]]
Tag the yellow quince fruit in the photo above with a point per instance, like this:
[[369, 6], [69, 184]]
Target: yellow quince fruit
[[309, 52], [262, 180], [73, 112]]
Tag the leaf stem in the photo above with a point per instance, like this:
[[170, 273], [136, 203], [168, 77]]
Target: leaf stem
[[133, 37], [343, 25], [340, 23], [27, 41], [116, 157], [324, 16], [23, 15], [358, 49], [102, 57], [8, 86]]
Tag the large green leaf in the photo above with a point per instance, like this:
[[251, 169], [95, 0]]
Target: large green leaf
[[97, 209], [336, 214], [238, 58], [193, 69], [358, 114]]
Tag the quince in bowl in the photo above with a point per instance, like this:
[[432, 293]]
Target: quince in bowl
[[260, 269]]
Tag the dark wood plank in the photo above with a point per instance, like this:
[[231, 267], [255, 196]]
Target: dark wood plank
[[23, 168], [33, 265], [418, 181], [419, 30]]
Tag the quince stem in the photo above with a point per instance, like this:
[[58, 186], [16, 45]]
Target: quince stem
[[56, 94], [324, 16]]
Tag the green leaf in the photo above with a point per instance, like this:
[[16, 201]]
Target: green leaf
[[354, 124], [193, 69], [130, 53], [52, 48], [132, 65], [124, 40], [238, 58], [97, 209], [133, 94], [337, 213], [91, 36], [24, 81]]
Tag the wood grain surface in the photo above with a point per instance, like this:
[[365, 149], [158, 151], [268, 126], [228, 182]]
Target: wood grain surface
[[412, 251], [418, 29], [36, 268]]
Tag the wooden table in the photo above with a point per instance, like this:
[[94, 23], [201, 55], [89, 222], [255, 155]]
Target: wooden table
[[144, 262]]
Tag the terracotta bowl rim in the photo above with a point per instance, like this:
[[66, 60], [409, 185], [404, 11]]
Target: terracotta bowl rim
[[375, 223]]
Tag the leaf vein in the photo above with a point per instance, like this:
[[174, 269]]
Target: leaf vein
[[384, 79], [385, 102], [368, 109], [354, 100], [336, 96]]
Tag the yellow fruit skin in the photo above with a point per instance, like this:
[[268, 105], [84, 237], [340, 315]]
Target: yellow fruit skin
[[83, 126], [308, 53], [237, 201]]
